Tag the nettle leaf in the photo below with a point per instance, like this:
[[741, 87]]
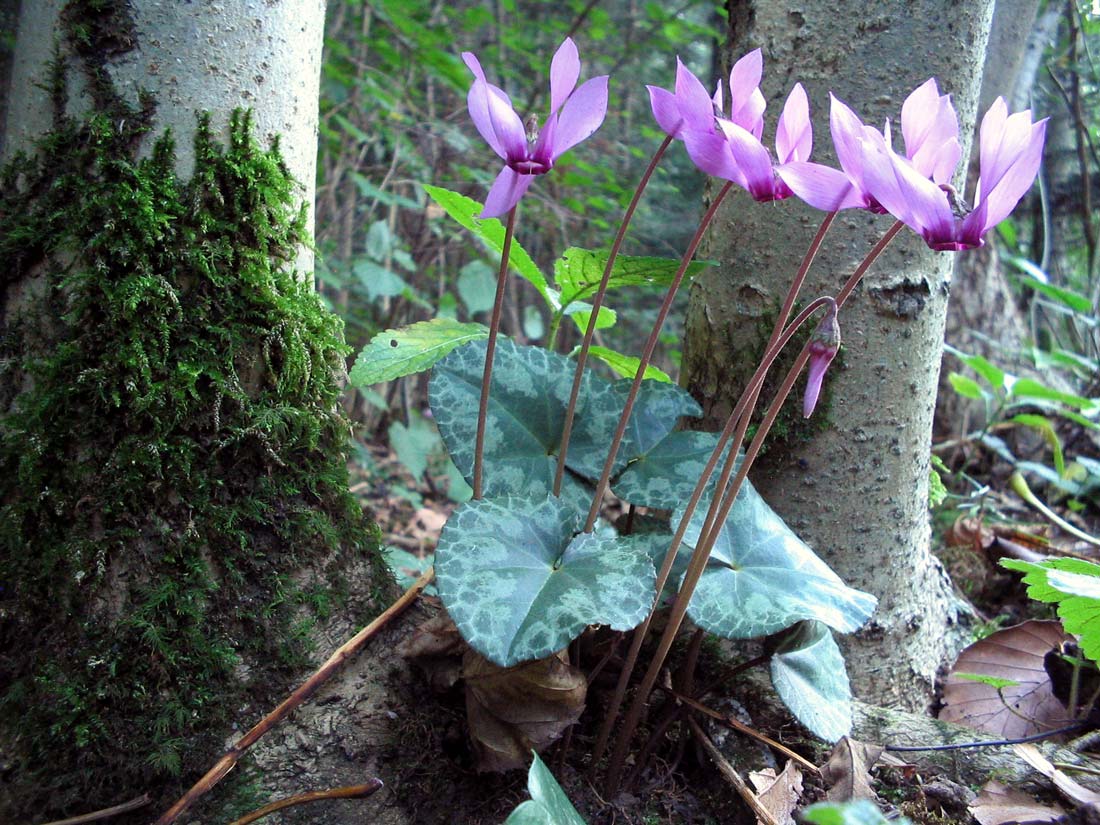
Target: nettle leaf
[[491, 231], [666, 475], [656, 412], [856, 812], [548, 804], [520, 584], [808, 673], [577, 272], [626, 365], [415, 348], [1072, 584], [527, 402], [761, 578]]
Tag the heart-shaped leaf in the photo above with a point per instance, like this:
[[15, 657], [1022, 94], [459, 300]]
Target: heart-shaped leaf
[[657, 411], [666, 475], [521, 585], [761, 578], [809, 675], [527, 402]]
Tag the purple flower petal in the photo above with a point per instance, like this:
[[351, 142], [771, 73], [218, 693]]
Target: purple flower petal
[[746, 100], [474, 65], [822, 187], [696, 106], [794, 137], [565, 68], [710, 152], [495, 120], [666, 111], [847, 131], [753, 161], [505, 193], [581, 115], [1016, 179]]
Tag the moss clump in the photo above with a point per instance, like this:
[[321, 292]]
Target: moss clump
[[171, 457]]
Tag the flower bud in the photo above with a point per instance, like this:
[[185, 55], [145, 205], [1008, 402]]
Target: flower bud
[[824, 344]]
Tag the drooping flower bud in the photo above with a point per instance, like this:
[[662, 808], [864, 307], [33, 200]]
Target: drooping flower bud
[[824, 344]]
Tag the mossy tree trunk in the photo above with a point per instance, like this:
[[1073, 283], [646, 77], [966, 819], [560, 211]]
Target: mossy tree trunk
[[175, 516], [854, 482]]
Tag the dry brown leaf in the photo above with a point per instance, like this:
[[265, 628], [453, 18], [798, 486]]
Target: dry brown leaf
[[1070, 788], [437, 648], [513, 710], [847, 774], [998, 805], [779, 794], [1014, 653]]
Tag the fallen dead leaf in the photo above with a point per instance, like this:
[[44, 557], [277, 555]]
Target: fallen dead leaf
[[999, 805], [1070, 788], [512, 711], [436, 647], [847, 774], [779, 794], [1015, 653]]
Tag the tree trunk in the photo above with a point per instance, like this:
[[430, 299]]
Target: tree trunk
[[854, 483], [175, 516]]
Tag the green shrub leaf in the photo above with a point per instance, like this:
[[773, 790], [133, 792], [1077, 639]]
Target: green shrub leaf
[[415, 348], [521, 585], [577, 272], [627, 365], [808, 674], [1072, 584]]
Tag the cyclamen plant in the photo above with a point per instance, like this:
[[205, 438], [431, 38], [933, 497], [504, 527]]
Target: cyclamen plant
[[526, 566]]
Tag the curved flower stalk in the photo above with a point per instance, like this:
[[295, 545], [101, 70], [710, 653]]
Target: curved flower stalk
[[735, 152], [1011, 149], [527, 151], [930, 130]]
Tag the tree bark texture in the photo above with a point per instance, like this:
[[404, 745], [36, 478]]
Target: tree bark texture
[[856, 488]]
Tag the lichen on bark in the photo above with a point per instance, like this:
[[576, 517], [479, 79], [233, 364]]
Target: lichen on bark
[[174, 509]]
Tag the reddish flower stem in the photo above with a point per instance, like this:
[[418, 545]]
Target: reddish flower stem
[[490, 351], [597, 302], [706, 541], [647, 354], [751, 390]]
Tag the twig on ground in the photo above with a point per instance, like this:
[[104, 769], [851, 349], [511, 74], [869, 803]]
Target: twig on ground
[[307, 689], [732, 776], [349, 792], [94, 816]]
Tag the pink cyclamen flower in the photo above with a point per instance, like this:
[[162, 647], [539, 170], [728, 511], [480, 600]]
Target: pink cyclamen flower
[[824, 344], [1011, 147], [929, 127], [687, 108], [575, 113]]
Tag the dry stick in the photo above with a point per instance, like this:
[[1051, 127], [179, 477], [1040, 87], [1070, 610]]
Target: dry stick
[[490, 349], [703, 545], [597, 302], [307, 689], [666, 566], [730, 773], [349, 792], [94, 816], [736, 419], [647, 354]]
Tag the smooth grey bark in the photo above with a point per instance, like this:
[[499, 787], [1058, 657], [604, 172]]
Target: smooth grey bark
[[194, 57], [857, 489]]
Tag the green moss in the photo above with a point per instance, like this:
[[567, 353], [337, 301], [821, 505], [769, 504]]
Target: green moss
[[172, 454]]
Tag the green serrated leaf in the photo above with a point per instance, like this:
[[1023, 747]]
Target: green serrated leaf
[[415, 348], [993, 374], [808, 673], [1046, 429], [761, 578], [1063, 582], [1028, 388], [992, 681], [520, 584], [627, 365], [491, 231], [578, 272], [548, 804], [965, 386]]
